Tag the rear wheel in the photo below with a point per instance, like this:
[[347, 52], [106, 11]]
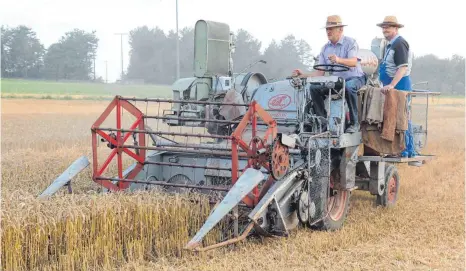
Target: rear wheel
[[179, 179], [392, 186]]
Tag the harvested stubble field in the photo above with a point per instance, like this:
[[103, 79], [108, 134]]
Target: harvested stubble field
[[40, 138]]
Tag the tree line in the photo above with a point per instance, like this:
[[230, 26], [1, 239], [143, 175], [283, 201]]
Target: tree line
[[70, 58], [153, 57]]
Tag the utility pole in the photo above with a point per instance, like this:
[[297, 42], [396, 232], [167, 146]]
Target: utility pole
[[106, 73], [94, 67], [121, 40], [177, 46]]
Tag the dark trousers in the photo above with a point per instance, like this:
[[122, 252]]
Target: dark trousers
[[352, 85]]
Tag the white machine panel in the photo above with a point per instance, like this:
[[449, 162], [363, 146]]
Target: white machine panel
[[221, 83]]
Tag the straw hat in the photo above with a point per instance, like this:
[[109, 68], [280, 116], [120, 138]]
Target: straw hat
[[333, 21], [390, 21]]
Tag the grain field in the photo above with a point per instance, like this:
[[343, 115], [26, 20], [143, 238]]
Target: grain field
[[88, 231]]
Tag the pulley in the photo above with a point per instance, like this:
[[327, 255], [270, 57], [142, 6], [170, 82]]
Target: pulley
[[279, 159]]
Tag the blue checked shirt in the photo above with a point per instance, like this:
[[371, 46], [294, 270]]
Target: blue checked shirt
[[346, 47]]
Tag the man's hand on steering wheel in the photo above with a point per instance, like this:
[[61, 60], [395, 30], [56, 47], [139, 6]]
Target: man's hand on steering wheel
[[297, 73], [334, 59]]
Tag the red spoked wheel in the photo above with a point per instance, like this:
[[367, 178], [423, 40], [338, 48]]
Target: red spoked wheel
[[256, 146], [116, 141], [258, 149]]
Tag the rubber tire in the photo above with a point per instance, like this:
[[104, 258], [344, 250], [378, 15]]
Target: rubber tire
[[390, 171], [328, 224]]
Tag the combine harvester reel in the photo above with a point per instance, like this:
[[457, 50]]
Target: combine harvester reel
[[252, 175]]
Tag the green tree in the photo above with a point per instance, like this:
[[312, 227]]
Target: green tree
[[186, 52], [282, 58], [153, 54], [271, 55], [72, 57], [146, 54], [247, 50], [444, 75], [21, 52]]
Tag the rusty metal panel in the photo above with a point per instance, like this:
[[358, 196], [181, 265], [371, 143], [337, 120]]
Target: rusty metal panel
[[348, 167]]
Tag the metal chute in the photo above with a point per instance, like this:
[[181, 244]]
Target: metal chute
[[65, 178], [243, 186]]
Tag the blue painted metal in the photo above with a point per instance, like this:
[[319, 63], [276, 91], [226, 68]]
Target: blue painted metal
[[280, 100], [76, 167], [337, 118], [277, 191], [243, 186]]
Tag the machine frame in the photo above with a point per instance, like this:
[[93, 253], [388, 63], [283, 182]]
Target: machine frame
[[270, 165]]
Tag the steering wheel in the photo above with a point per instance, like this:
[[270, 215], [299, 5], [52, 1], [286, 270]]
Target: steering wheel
[[331, 67]]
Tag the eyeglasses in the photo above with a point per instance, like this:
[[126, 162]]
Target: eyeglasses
[[387, 27]]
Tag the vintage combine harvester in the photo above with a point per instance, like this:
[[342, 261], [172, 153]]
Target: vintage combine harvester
[[255, 148]]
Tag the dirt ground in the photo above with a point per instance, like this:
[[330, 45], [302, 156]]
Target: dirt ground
[[425, 231]]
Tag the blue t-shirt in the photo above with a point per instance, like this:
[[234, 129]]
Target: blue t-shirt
[[397, 54]]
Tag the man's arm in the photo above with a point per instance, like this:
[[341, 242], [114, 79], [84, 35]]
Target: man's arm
[[312, 74], [352, 59], [350, 62], [398, 75]]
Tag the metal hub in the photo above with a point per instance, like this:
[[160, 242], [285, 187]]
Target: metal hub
[[391, 189], [257, 159], [304, 203]]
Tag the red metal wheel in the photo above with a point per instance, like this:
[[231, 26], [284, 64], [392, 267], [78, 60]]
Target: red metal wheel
[[255, 160], [392, 186], [117, 143], [392, 190], [336, 203], [337, 206]]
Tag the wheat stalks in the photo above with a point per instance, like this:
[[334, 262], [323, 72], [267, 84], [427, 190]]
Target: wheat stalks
[[82, 232]]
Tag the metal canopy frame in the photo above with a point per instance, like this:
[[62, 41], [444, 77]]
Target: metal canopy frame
[[396, 159]]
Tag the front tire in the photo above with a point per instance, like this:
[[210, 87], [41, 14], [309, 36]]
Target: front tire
[[338, 207], [338, 204]]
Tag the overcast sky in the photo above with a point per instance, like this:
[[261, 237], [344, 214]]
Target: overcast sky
[[429, 28]]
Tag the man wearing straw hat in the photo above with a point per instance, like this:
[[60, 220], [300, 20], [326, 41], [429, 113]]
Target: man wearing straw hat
[[341, 50], [395, 68], [395, 71]]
